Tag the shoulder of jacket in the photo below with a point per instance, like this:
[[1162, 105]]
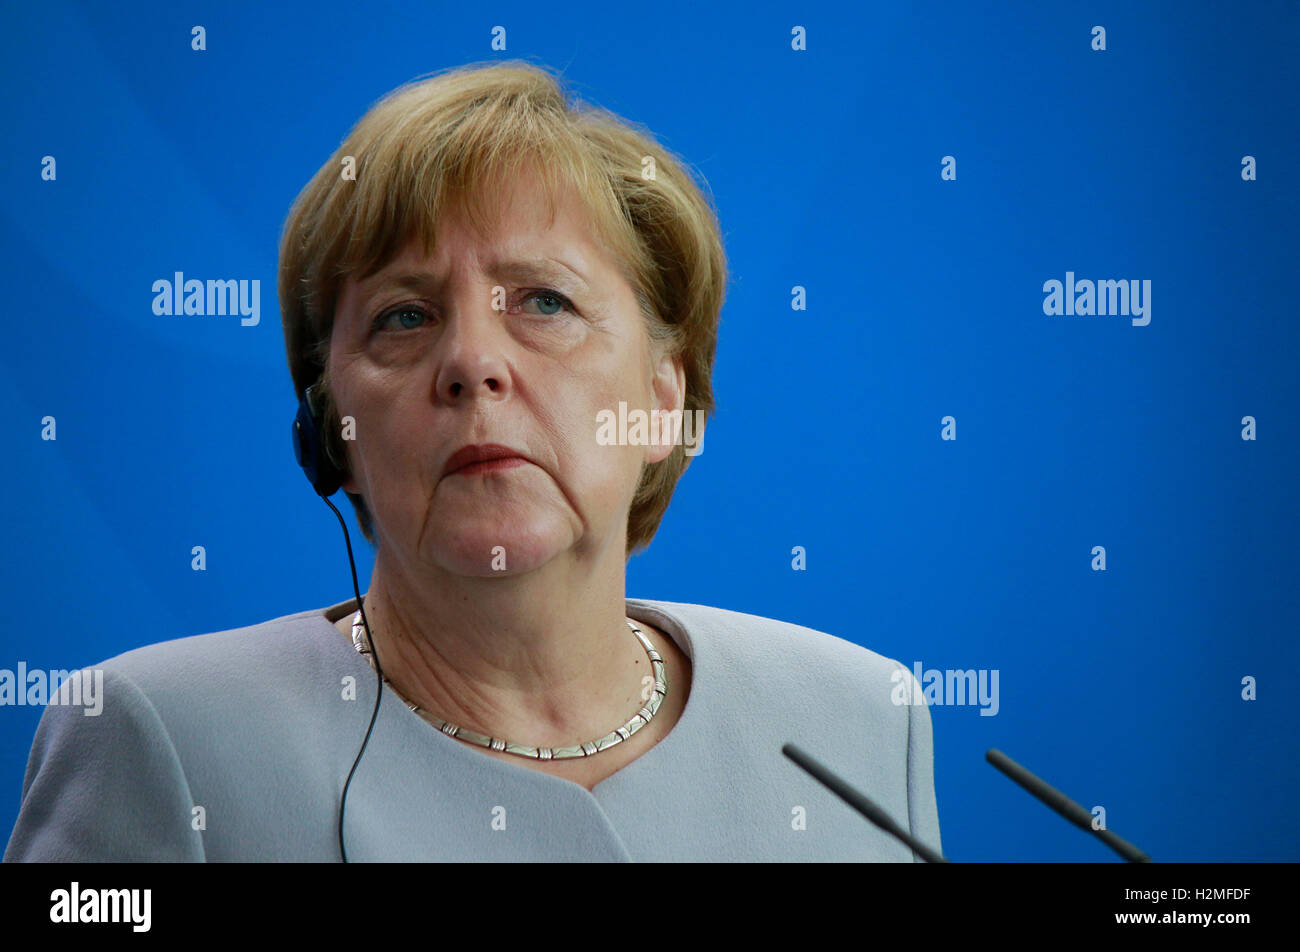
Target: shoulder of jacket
[[227, 661], [771, 640]]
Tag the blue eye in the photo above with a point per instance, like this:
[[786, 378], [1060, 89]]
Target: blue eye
[[382, 320], [402, 312], [559, 299]]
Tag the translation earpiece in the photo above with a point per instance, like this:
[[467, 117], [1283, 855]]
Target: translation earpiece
[[309, 447]]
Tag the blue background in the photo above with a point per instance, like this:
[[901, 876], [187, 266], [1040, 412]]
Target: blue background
[[1122, 687]]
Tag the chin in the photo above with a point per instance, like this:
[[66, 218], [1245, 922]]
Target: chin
[[495, 551]]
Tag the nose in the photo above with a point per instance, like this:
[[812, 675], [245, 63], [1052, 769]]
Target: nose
[[472, 351]]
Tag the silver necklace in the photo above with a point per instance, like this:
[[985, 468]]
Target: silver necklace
[[616, 736]]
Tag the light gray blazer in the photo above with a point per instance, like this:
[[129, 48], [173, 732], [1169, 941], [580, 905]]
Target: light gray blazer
[[258, 728]]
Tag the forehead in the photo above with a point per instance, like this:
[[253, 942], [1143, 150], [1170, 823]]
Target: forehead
[[521, 236]]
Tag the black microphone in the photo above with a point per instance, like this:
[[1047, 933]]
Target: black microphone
[[1064, 805], [859, 802]]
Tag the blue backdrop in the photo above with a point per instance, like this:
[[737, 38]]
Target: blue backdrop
[[924, 299]]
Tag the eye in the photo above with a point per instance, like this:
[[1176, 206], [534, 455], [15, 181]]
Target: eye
[[409, 317], [382, 322], [551, 299]]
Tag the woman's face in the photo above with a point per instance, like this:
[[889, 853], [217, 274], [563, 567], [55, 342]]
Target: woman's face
[[520, 340]]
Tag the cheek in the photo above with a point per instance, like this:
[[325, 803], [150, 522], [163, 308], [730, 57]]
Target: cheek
[[394, 445], [622, 380]]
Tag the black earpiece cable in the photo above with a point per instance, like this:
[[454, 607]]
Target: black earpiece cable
[[379, 674]]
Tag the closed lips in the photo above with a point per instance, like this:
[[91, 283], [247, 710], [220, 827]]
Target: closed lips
[[478, 454]]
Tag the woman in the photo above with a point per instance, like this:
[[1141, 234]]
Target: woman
[[478, 276]]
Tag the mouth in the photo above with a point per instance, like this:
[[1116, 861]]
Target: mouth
[[489, 466], [482, 458]]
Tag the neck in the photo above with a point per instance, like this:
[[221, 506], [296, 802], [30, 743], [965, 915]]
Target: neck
[[544, 658]]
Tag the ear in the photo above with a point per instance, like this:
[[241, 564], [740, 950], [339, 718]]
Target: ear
[[669, 384]]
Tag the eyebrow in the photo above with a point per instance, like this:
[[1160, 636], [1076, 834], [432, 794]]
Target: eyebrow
[[415, 279]]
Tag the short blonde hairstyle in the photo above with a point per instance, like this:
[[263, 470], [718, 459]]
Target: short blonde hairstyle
[[447, 143]]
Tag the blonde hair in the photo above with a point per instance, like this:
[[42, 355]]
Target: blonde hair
[[447, 143]]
